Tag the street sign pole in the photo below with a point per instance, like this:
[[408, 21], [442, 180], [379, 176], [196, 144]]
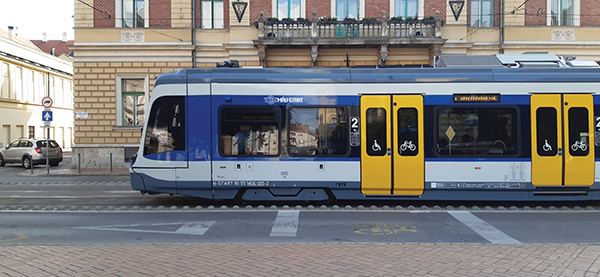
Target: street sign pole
[[47, 149], [47, 153], [47, 118]]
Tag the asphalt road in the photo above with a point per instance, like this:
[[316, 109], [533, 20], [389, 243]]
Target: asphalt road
[[291, 226], [105, 210]]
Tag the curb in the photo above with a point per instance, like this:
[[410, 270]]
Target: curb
[[254, 208]]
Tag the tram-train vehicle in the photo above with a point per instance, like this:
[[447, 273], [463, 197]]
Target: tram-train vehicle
[[299, 134]]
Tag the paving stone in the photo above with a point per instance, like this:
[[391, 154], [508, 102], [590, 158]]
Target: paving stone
[[300, 259]]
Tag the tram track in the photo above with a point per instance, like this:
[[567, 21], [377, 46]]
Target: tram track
[[118, 196], [170, 206]]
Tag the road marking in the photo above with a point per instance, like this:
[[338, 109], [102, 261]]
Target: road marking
[[286, 224], [186, 228], [483, 228], [197, 228], [382, 229], [20, 236]]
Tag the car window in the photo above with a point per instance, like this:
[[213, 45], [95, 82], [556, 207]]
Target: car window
[[14, 143], [41, 143], [53, 144], [29, 144], [22, 143]]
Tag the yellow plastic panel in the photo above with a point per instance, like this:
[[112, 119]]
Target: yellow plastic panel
[[546, 170], [579, 170], [409, 171], [376, 171]]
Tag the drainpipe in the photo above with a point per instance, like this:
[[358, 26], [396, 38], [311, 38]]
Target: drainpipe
[[501, 26], [194, 33]]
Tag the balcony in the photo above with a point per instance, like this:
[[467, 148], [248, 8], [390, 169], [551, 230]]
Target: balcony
[[332, 32], [370, 33]]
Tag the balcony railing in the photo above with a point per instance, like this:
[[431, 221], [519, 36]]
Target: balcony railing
[[371, 29]]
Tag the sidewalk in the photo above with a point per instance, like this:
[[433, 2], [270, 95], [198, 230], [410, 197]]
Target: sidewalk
[[303, 259], [42, 171]]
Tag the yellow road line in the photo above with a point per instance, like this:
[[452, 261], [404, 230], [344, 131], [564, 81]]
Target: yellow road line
[[20, 237]]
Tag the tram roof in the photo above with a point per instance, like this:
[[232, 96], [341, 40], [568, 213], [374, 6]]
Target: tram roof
[[378, 75]]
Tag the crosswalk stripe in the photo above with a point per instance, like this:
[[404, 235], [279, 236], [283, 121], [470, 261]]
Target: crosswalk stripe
[[286, 224], [483, 228], [197, 228]]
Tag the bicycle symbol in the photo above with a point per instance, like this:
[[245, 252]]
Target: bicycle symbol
[[579, 144], [376, 146], [547, 146], [409, 145]]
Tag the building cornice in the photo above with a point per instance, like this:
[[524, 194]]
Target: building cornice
[[37, 58], [129, 46]]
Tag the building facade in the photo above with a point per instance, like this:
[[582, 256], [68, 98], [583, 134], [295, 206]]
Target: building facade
[[122, 45], [27, 76]]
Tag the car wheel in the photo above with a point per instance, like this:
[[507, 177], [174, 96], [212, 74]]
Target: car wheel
[[2, 163], [27, 162]]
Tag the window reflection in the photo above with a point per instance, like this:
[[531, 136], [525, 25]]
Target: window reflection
[[133, 13], [288, 9], [478, 131], [133, 102], [376, 132], [482, 13], [318, 131], [561, 13], [406, 8], [408, 132], [166, 126], [249, 131]]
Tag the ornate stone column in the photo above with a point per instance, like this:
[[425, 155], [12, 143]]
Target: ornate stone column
[[261, 26], [314, 54], [262, 55]]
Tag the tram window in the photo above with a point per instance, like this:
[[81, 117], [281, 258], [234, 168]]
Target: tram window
[[249, 131], [376, 132], [318, 131], [477, 131], [166, 126], [579, 132], [547, 132], [408, 132]]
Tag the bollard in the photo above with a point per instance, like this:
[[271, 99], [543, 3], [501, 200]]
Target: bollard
[[31, 163], [79, 162], [111, 163]]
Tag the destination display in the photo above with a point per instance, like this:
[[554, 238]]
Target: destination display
[[476, 98]]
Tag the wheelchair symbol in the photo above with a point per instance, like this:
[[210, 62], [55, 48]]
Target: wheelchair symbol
[[547, 146], [376, 146]]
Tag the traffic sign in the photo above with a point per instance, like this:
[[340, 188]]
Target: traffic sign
[[47, 124], [47, 102], [46, 116]]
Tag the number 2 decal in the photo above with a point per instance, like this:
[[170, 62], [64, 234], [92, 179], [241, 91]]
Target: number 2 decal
[[354, 132], [355, 122]]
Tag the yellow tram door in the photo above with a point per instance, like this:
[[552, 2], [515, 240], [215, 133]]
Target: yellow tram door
[[562, 140], [409, 156], [392, 158]]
